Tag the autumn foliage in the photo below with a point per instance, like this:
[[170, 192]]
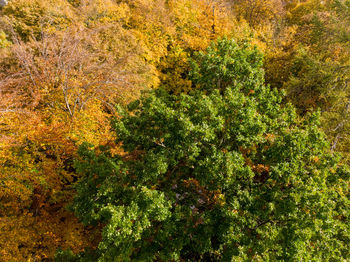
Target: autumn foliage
[[67, 66]]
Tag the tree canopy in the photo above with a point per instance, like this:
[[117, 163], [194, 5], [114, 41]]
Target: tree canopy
[[223, 173], [66, 65]]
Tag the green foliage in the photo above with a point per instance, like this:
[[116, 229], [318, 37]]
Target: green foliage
[[312, 80], [226, 64], [218, 174], [69, 256]]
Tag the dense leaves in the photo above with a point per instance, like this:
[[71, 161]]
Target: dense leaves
[[228, 174], [65, 64]]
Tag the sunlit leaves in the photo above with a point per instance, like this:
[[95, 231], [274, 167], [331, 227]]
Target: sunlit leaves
[[223, 172]]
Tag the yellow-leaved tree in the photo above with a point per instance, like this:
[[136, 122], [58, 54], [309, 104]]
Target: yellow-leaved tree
[[63, 67], [58, 92]]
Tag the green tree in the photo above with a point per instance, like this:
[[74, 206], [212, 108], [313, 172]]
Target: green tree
[[218, 174]]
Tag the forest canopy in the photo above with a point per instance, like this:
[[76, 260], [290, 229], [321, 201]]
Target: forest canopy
[[222, 173], [199, 130]]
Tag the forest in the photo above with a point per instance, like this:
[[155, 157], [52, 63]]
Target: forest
[[174, 130]]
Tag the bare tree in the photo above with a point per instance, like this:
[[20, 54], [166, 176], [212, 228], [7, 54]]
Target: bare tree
[[67, 69]]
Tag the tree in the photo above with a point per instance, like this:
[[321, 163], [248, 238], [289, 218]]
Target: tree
[[54, 93], [258, 12], [317, 65], [221, 173], [62, 65], [28, 18]]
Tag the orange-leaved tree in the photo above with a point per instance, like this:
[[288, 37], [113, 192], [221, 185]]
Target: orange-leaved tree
[[57, 92]]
